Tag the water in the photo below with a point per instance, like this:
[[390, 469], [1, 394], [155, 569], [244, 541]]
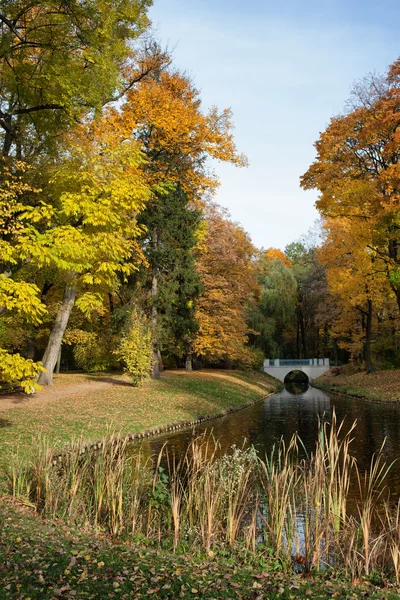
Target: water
[[298, 409]]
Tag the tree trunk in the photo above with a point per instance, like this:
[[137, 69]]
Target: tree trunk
[[300, 317], [56, 335], [368, 336], [189, 359], [155, 374]]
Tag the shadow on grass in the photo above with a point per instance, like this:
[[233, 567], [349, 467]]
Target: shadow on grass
[[105, 379], [5, 423]]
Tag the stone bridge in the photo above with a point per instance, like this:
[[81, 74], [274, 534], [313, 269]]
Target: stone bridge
[[280, 368]]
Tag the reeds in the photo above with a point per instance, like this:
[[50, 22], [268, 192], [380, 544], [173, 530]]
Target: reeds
[[302, 508]]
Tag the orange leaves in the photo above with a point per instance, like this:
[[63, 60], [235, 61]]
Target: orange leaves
[[276, 254], [164, 114], [228, 275]]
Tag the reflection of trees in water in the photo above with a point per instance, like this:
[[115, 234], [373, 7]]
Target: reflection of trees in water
[[296, 387]]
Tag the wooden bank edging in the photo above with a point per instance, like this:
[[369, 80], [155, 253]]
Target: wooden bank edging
[[339, 392], [155, 431]]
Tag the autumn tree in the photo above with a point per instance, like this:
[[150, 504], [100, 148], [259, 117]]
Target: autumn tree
[[272, 317], [358, 284], [100, 189], [357, 170], [227, 269], [58, 61], [165, 115]]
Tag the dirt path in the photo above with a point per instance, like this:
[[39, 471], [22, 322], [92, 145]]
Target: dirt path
[[57, 392], [69, 385]]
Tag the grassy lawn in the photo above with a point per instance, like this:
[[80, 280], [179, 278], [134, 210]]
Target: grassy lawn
[[47, 560], [72, 409], [379, 385]]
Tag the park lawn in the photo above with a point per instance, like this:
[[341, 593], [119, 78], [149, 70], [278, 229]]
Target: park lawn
[[379, 385], [72, 409], [45, 559]]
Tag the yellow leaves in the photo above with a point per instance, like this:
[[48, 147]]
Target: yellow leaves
[[276, 254], [228, 275], [90, 303], [21, 297], [135, 349], [16, 370], [166, 114]]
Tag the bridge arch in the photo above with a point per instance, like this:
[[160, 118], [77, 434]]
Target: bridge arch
[[311, 367], [297, 375]]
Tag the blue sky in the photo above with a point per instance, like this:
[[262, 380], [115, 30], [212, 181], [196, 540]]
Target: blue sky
[[284, 68]]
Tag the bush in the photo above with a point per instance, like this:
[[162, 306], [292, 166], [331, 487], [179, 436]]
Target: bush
[[135, 349], [93, 352]]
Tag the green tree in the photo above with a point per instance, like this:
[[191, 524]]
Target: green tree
[[58, 62]]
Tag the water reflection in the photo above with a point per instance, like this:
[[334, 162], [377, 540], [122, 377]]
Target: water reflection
[[298, 408]]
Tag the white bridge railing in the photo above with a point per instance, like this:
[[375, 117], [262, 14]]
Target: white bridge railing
[[293, 362]]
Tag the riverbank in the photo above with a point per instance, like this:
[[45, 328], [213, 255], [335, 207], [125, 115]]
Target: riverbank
[[45, 559], [379, 385], [93, 406]]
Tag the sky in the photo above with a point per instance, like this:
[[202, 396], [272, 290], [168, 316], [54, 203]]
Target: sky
[[285, 67]]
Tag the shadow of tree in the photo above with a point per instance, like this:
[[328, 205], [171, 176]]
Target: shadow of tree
[[112, 380], [5, 423]]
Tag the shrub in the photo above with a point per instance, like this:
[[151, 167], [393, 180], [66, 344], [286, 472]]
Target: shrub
[[93, 351], [135, 349]]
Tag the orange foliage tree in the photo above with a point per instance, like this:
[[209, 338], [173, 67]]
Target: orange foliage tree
[[164, 114], [228, 272], [357, 171]]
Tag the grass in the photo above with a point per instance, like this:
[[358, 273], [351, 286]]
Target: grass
[[177, 396], [44, 560], [381, 385], [105, 525], [209, 527]]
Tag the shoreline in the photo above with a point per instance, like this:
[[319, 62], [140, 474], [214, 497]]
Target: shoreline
[[378, 387], [169, 428]]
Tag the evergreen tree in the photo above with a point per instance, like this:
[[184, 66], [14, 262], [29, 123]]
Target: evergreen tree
[[172, 280]]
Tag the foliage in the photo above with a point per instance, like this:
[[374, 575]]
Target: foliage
[[227, 272], [58, 62], [357, 173], [93, 351], [18, 371], [171, 226], [357, 169], [89, 563], [135, 350]]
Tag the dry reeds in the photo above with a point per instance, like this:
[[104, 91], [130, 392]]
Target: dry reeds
[[296, 506]]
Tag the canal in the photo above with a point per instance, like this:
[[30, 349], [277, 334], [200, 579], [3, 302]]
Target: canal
[[298, 409]]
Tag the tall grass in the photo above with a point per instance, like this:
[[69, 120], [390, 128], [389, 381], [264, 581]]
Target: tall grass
[[302, 508]]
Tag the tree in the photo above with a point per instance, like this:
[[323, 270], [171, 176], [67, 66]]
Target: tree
[[273, 317], [357, 169], [18, 297], [164, 112], [356, 281], [228, 273], [58, 62], [170, 237], [100, 189]]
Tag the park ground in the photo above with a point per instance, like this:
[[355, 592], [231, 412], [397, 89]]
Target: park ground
[[46, 559], [382, 385]]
